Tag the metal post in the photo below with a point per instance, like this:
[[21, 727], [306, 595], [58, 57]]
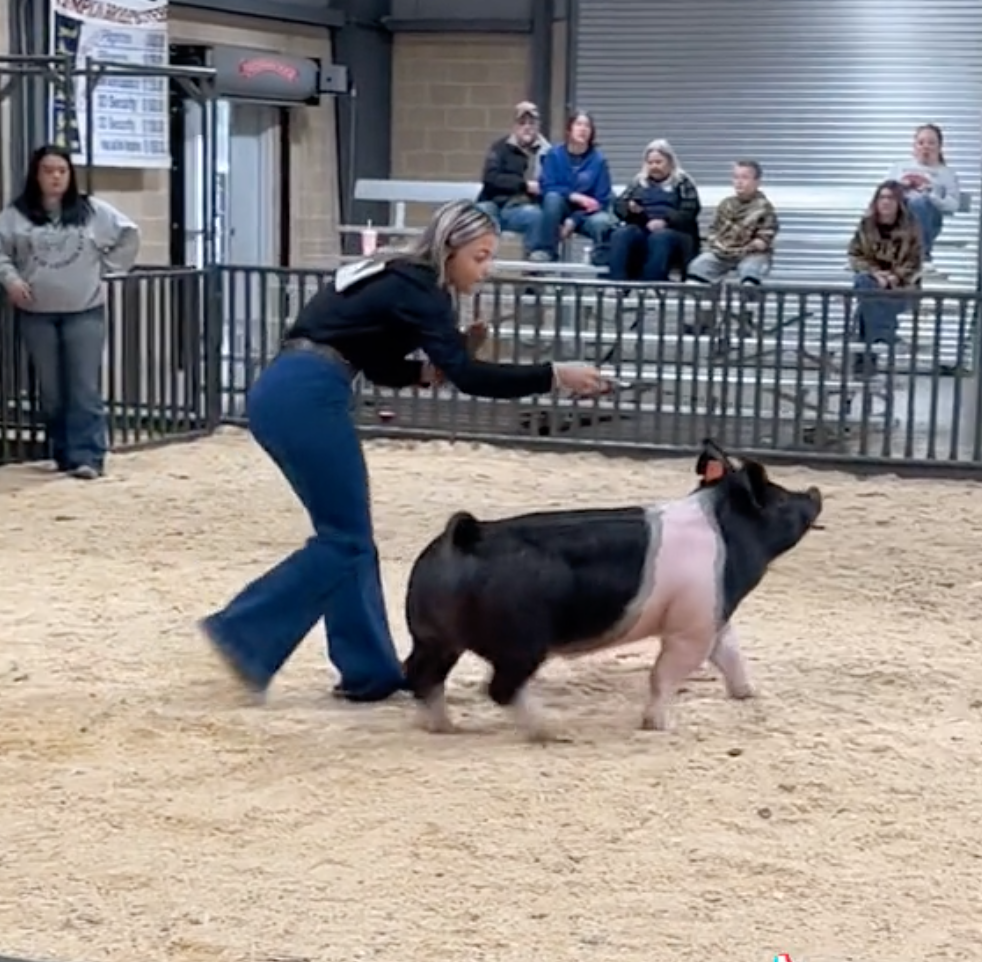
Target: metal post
[[541, 54], [572, 42], [970, 428], [15, 69]]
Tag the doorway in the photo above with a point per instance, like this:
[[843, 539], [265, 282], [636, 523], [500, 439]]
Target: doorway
[[243, 218], [250, 239], [252, 229]]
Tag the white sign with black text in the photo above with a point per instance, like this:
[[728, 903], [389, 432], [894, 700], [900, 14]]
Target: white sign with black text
[[130, 114]]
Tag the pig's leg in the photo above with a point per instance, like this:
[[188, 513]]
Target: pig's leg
[[509, 688], [680, 656], [728, 658], [426, 670]]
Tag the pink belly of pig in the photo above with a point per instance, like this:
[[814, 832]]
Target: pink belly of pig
[[681, 597]]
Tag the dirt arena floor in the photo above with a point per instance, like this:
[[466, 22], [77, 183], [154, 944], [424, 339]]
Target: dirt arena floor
[[148, 816]]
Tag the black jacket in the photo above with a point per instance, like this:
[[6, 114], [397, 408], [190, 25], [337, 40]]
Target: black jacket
[[685, 220], [385, 311], [507, 169]]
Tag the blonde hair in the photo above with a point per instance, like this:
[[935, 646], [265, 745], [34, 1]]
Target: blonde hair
[[663, 147], [453, 226]]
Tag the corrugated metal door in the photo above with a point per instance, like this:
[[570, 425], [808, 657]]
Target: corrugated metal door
[[820, 93]]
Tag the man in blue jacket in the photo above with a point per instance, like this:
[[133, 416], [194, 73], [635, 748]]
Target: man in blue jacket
[[510, 190]]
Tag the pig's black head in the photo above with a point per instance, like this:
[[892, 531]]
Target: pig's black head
[[758, 519]]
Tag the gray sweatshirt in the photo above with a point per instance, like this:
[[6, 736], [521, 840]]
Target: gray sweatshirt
[[64, 266], [944, 192]]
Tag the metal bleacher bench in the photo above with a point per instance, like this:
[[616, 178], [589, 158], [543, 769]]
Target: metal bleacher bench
[[399, 193], [787, 199]]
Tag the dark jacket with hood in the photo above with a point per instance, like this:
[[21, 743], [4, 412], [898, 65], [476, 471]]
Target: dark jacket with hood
[[508, 168]]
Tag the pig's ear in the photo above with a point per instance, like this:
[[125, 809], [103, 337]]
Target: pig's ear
[[755, 483], [713, 462], [710, 469]]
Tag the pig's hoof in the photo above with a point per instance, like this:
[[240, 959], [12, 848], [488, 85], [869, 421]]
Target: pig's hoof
[[742, 692], [435, 722], [655, 722], [442, 726]]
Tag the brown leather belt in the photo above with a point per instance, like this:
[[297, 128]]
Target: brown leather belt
[[324, 350]]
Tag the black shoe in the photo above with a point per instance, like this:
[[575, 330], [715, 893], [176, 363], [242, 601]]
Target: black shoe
[[865, 365], [368, 695], [746, 322], [704, 322]]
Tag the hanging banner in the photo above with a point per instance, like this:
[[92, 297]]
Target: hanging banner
[[130, 114]]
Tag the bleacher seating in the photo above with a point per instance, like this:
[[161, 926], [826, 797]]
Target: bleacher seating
[[816, 223]]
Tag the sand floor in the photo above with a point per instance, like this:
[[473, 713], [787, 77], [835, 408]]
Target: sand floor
[[147, 816]]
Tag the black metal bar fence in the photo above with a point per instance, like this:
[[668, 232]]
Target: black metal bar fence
[[780, 371], [159, 381]]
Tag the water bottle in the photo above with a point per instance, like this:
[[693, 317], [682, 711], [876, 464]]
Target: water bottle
[[369, 240]]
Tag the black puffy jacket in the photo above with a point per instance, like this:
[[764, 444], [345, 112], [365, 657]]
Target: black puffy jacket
[[507, 169]]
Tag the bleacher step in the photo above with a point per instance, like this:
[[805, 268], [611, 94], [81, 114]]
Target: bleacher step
[[751, 350]]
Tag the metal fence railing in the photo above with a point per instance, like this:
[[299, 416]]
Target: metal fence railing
[[782, 371], [156, 378]]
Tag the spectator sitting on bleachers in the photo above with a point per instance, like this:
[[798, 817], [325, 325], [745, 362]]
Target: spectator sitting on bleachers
[[576, 191], [660, 214], [510, 192], [931, 187], [742, 234], [886, 254]]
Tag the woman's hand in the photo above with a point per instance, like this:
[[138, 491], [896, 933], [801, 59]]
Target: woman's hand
[[580, 379], [431, 375], [475, 335], [19, 293]]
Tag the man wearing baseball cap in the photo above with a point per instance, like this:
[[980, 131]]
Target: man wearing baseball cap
[[510, 181]]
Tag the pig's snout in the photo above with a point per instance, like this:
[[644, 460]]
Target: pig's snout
[[816, 498]]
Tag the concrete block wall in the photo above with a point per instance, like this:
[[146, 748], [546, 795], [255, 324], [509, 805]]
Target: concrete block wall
[[314, 175], [453, 94]]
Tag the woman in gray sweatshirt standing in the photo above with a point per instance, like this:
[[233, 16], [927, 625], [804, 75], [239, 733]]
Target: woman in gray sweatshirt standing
[[56, 245], [931, 187]]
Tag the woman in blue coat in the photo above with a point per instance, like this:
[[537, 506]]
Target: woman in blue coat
[[576, 192]]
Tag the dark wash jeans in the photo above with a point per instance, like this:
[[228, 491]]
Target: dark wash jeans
[[66, 352], [300, 412]]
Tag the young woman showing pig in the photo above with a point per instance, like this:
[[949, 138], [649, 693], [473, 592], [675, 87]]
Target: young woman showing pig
[[368, 320]]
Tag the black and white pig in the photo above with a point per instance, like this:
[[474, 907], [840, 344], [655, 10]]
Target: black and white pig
[[516, 591]]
